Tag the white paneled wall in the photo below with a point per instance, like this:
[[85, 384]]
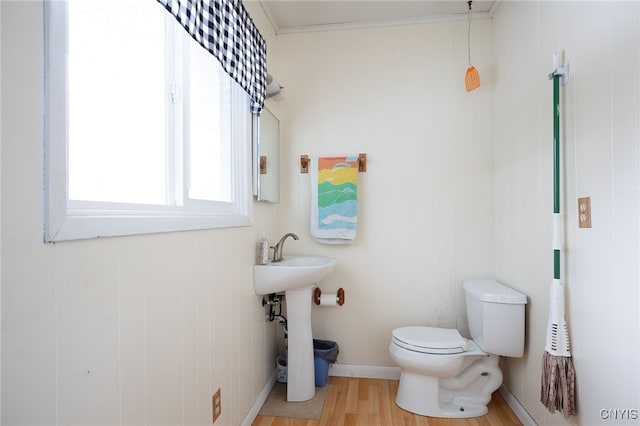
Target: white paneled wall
[[425, 202], [133, 330], [600, 136]]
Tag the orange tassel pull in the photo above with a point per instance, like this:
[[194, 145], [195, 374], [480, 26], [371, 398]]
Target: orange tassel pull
[[472, 79]]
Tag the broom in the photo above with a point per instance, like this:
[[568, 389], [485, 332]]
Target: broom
[[558, 376]]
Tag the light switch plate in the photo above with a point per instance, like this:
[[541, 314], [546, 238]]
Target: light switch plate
[[217, 406]]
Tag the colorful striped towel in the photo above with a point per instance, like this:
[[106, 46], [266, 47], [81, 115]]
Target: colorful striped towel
[[334, 199]]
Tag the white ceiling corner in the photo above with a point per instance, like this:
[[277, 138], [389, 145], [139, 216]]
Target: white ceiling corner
[[294, 16]]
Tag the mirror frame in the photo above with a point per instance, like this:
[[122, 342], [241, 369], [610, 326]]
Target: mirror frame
[[262, 163]]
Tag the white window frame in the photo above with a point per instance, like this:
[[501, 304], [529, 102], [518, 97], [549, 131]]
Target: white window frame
[[70, 220]]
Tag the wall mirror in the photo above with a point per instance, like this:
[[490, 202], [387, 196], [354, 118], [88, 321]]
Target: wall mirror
[[267, 157]]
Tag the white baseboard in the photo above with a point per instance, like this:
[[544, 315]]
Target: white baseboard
[[259, 402], [364, 371], [516, 407]]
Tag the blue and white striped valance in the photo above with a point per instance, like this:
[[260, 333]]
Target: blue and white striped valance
[[225, 29]]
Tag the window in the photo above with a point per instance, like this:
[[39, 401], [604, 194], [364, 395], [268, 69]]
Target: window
[[144, 130]]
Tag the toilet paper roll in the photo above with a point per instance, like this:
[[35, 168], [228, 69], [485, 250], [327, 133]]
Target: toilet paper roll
[[329, 299]]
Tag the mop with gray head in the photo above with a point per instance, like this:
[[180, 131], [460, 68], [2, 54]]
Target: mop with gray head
[[558, 376]]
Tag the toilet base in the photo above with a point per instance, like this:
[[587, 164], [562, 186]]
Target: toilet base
[[465, 395]]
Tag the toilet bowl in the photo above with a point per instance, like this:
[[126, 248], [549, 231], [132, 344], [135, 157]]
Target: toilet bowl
[[446, 375]]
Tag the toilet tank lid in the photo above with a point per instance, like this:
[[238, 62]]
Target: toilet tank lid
[[489, 290]]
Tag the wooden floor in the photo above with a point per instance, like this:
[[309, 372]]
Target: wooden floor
[[371, 402]]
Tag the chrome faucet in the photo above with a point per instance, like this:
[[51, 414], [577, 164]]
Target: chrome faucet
[[277, 249]]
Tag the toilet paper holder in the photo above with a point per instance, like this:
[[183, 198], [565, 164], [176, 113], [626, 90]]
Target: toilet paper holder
[[339, 296]]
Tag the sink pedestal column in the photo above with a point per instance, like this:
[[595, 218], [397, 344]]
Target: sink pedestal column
[[300, 367]]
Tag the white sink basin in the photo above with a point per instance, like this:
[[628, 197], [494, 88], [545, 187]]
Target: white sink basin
[[293, 273]]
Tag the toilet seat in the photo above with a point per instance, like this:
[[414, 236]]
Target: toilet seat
[[430, 340]]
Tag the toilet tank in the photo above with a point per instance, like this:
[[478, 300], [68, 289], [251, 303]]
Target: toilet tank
[[496, 317]]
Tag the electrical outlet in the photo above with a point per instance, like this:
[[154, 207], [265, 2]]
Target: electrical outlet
[[584, 212], [217, 405]]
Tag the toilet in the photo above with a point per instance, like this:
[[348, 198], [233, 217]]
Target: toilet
[[442, 374]]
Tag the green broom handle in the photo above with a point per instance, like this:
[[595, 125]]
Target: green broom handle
[[556, 164]]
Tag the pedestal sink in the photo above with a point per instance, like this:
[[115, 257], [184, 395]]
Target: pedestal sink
[[296, 276]]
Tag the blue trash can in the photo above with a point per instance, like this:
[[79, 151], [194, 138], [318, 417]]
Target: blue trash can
[[281, 369], [325, 352]]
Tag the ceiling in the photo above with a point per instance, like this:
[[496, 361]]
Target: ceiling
[[292, 16]]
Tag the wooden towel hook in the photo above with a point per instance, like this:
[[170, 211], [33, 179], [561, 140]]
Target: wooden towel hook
[[362, 162], [304, 164]]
